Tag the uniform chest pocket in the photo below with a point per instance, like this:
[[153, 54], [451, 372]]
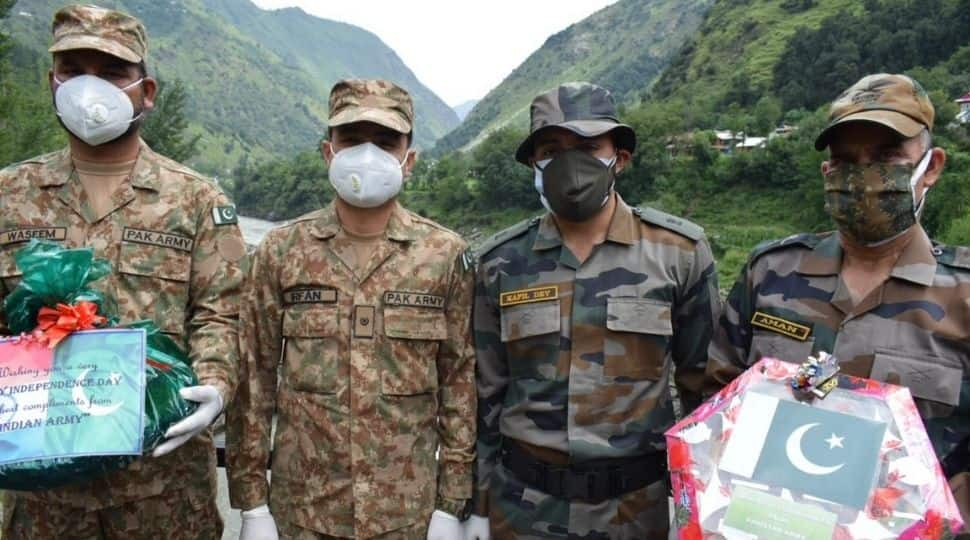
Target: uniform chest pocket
[[155, 262], [531, 333], [157, 279], [773, 345], [637, 338], [412, 336], [928, 377], [311, 355]]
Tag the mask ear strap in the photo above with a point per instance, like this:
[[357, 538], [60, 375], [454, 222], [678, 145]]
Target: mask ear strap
[[917, 174], [405, 160], [132, 85]]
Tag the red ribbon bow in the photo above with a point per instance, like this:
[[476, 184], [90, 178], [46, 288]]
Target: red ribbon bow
[[56, 324]]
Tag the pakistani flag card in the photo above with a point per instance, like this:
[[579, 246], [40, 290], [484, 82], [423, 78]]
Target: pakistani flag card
[[825, 454]]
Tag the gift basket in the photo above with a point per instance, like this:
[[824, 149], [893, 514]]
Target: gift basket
[[80, 395], [791, 451]]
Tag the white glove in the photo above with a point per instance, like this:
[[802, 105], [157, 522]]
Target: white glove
[[476, 528], [444, 526], [210, 405], [258, 524]]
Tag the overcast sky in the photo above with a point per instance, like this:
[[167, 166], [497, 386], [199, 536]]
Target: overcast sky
[[460, 49]]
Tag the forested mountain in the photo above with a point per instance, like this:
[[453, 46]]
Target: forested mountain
[[763, 71], [257, 80], [624, 47]]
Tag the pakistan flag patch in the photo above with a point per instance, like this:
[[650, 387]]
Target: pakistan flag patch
[[224, 215]]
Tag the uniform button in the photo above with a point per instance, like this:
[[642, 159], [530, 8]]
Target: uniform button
[[364, 321]]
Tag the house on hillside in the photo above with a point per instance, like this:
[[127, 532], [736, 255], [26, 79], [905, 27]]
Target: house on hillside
[[964, 115], [783, 130], [750, 143], [726, 141]]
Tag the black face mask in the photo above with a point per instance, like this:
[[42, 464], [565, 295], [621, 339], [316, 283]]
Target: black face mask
[[577, 184]]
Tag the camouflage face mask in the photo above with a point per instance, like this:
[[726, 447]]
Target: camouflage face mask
[[871, 203]]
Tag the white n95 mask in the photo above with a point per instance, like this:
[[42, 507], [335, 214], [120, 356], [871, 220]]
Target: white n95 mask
[[366, 176], [93, 109]]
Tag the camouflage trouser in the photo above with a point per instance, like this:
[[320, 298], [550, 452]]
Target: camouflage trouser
[[518, 512], [172, 516], [288, 531]]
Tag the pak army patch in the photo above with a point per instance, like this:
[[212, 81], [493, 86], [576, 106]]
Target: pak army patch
[[158, 238], [780, 326], [224, 215], [397, 298], [528, 296]]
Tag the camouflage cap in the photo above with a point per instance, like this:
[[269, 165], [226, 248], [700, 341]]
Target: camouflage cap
[[895, 101], [584, 108], [371, 100], [105, 30]]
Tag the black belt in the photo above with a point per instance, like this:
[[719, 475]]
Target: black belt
[[590, 481]]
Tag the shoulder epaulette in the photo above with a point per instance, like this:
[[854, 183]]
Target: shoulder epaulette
[[312, 215], [36, 160], [431, 223], [955, 256], [180, 168], [662, 219], [808, 240], [504, 235]]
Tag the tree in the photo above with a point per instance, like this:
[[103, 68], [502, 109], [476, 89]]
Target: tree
[[166, 129], [27, 121], [502, 181]]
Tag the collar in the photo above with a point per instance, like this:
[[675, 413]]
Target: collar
[[623, 228], [144, 175], [916, 263], [400, 226]]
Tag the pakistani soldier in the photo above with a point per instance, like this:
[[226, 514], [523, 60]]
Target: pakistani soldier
[[887, 301], [368, 307], [174, 246], [582, 317]]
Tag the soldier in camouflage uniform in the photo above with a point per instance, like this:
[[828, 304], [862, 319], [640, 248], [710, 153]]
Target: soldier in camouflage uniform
[[582, 317], [887, 301], [175, 247], [368, 307]]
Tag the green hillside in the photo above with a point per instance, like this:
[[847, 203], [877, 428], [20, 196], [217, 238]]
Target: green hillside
[[751, 66], [258, 80], [803, 52], [624, 47], [737, 47]]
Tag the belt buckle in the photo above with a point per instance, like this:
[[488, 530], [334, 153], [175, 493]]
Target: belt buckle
[[580, 485], [615, 482]]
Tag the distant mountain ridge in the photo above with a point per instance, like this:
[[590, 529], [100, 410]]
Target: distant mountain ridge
[[623, 47], [462, 109], [258, 80]]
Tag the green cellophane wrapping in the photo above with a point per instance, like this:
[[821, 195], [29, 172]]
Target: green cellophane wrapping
[[52, 275]]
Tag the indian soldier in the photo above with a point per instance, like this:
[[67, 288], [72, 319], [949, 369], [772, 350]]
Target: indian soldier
[[368, 307], [582, 317], [889, 303], [175, 247]]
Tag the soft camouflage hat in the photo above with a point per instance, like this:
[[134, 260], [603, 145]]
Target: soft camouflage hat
[[581, 107], [895, 101], [371, 100], [105, 30]]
